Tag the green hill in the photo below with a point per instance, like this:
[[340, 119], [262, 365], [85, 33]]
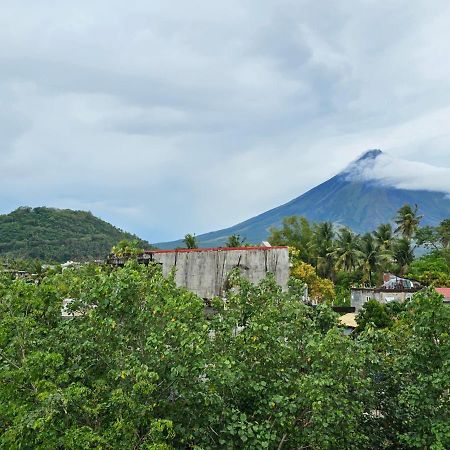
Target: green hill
[[58, 235]]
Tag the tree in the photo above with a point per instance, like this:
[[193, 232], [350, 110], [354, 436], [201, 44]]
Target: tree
[[403, 255], [295, 232], [319, 289], [384, 237], [373, 256], [444, 233], [190, 240], [407, 221], [105, 379], [142, 367], [432, 269], [436, 238], [323, 247], [375, 314], [416, 377], [346, 252], [127, 249], [235, 241]]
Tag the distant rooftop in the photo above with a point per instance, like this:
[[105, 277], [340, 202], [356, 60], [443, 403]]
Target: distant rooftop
[[443, 291], [214, 249]]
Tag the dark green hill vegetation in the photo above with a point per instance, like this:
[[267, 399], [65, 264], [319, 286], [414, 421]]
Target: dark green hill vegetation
[[59, 235]]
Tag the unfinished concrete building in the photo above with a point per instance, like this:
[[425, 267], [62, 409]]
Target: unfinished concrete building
[[205, 271]]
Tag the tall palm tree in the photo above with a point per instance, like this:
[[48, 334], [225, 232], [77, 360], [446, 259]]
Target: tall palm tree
[[384, 236], [403, 255], [407, 221], [323, 247], [374, 256], [347, 252]]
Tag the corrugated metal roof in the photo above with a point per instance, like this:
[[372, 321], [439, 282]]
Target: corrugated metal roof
[[443, 291]]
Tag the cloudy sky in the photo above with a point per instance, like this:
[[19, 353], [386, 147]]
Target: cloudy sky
[[168, 117]]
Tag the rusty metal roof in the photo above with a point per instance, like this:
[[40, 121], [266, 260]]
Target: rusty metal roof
[[213, 249]]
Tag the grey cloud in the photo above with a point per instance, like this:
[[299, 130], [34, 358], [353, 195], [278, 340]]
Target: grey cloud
[[175, 117]]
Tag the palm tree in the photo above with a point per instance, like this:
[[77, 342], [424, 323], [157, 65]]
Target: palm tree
[[407, 221], [384, 236], [403, 255], [347, 252], [323, 246], [374, 256]]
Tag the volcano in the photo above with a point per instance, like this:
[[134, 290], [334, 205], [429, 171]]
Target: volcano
[[347, 199]]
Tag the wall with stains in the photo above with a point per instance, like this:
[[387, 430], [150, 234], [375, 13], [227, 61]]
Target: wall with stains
[[205, 271]]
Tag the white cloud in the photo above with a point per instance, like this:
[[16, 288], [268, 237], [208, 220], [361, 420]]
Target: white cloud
[[401, 174], [175, 117]]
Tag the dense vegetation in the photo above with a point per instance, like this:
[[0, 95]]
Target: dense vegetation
[[340, 257], [57, 235], [144, 368]]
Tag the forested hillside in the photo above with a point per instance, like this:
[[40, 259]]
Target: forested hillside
[[57, 235]]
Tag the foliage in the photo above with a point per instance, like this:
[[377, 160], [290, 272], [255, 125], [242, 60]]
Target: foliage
[[347, 252], [323, 242], [235, 241], [348, 259], [57, 235], [144, 368], [384, 237], [319, 289], [403, 255], [296, 232], [375, 314], [407, 221], [435, 238], [127, 248], [412, 376], [374, 256], [98, 380], [432, 269], [190, 241]]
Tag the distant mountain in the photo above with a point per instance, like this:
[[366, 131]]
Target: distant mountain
[[57, 235], [343, 200]]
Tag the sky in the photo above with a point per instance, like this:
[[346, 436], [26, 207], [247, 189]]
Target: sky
[[174, 117]]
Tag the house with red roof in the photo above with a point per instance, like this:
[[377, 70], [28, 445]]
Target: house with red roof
[[445, 292]]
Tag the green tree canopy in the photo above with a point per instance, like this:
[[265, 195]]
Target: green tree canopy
[[407, 221], [234, 241], [143, 367], [295, 232], [190, 240]]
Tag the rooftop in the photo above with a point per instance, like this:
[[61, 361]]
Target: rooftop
[[443, 291], [214, 249]]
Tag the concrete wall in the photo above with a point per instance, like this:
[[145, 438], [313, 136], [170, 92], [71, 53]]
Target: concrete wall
[[362, 295], [205, 271]]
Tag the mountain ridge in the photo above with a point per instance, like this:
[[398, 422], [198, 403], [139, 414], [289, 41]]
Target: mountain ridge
[[360, 205], [53, 234]]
